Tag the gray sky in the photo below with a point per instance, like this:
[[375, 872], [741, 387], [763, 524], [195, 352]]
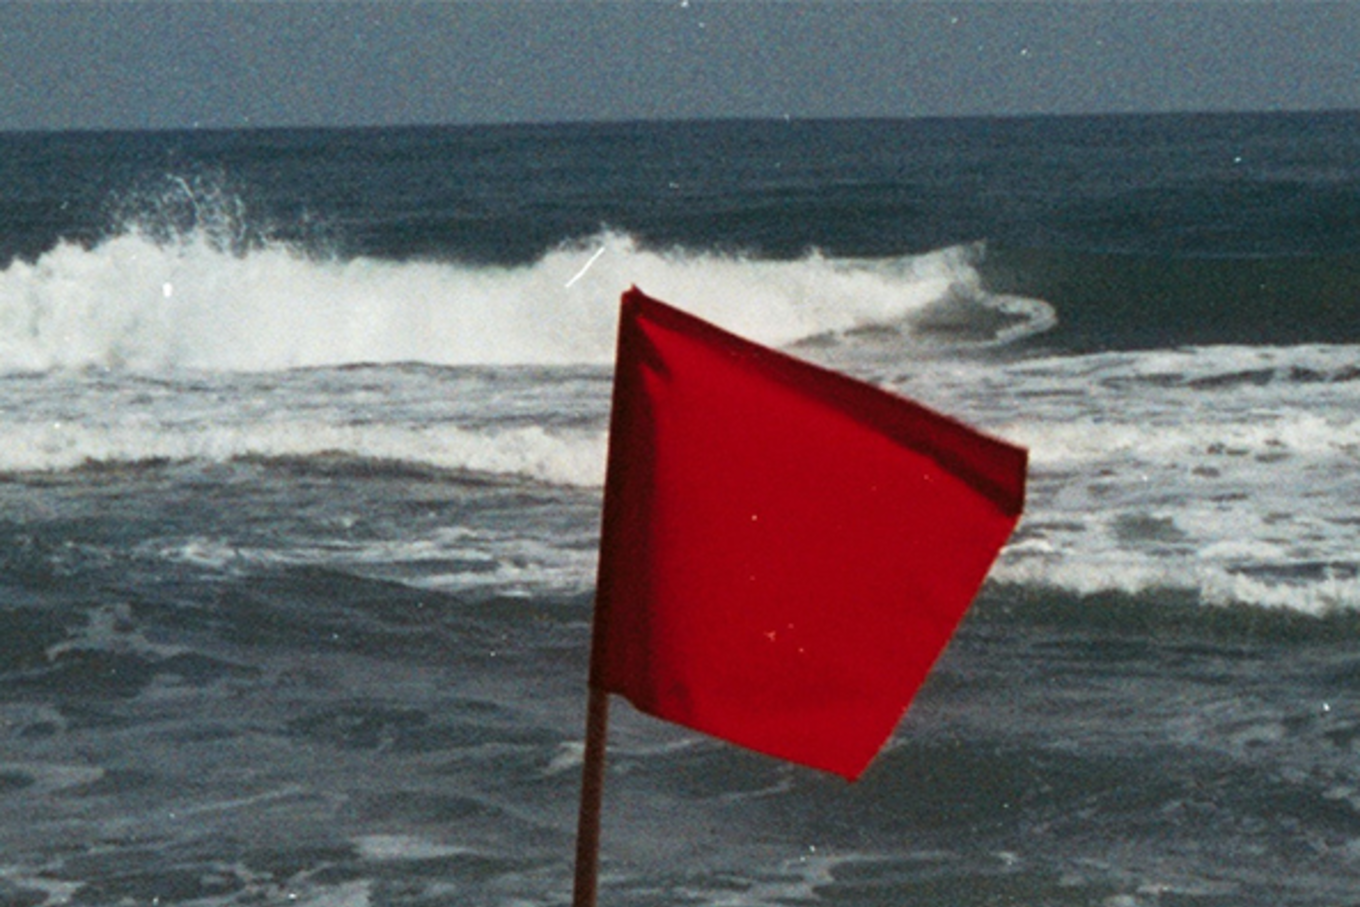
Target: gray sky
[[177, 63]]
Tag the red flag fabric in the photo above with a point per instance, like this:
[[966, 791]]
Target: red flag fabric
[[785, 551]]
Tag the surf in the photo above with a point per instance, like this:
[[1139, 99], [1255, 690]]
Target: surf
[[194, 286]]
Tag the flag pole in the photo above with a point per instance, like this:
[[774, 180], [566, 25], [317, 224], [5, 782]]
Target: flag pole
[[592, 794]]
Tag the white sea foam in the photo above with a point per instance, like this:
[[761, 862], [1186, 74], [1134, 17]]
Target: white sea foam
[[1226, 472], [530, 451], [452, 559], [406, 847], [151, 304], [1229, 473]]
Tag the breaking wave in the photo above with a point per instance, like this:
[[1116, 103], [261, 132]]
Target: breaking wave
[[187, 283]]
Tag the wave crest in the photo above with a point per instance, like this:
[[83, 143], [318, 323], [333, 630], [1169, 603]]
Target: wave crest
[[189, 282]]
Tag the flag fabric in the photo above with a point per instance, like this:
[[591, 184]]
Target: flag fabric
[[785, 550]]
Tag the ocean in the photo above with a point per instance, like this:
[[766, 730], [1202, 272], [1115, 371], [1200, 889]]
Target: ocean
[[302, 439]]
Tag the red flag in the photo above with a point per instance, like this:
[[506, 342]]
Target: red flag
[[785, 550]]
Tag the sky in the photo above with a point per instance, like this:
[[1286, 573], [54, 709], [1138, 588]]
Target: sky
[[155, 64]]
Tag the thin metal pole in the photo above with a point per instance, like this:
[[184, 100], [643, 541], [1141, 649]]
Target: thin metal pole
[[592, 794]]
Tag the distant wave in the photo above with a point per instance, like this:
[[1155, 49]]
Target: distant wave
[[209, 297]]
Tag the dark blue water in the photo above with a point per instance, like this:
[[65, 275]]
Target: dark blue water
[[1183, 186], [301, 443]]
